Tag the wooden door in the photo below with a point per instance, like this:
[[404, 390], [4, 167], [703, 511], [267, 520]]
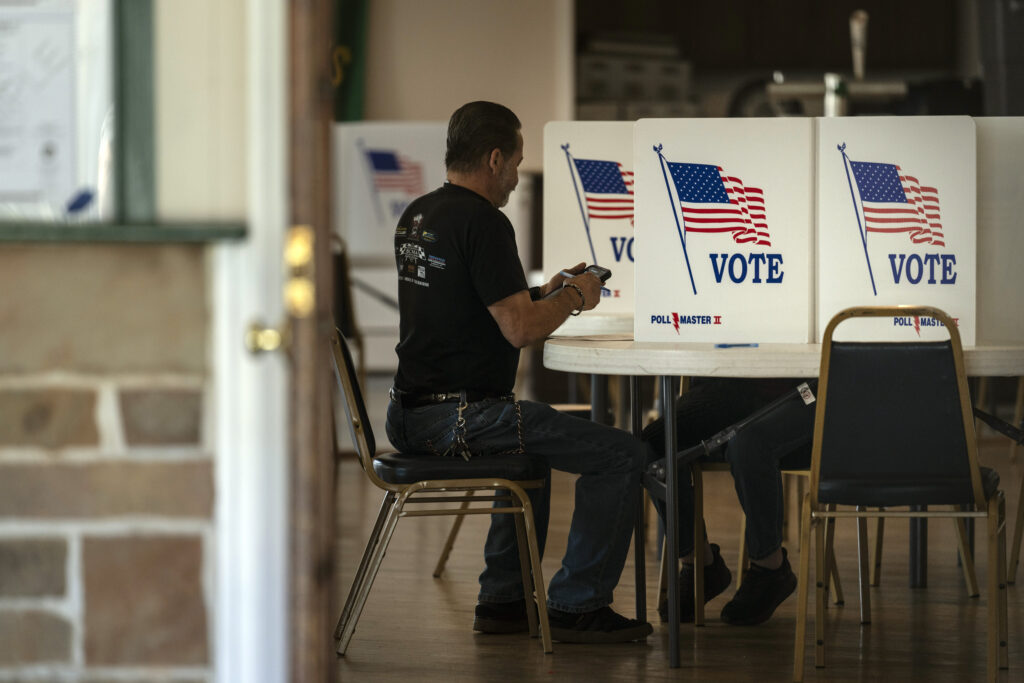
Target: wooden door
[[308, 297]]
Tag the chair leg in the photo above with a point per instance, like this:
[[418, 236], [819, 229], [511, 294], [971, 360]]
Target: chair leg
[[1004, 661], [525, 569], [994, 591], [360, 577], [699, 541], [832, 572], [832, 569], [1018, 531], [348, 627], [966, 558], [837, 585], [1018, 415], [448, 544], [743, 561], [640, 557], [819, 596], [663, 577], [539, 589], [799, 641], [863, 570], [876, 567]]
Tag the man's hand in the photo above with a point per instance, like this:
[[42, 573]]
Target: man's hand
[[590, 285], [523, 322], [555, 283]]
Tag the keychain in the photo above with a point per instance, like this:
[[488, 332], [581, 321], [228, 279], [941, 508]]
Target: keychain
[[459, 446]]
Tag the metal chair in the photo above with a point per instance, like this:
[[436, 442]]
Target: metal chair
[[581, 410], [405, 478], [894, 428]]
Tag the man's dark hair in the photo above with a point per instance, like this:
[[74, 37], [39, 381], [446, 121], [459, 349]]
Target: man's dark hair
[[477, 128]]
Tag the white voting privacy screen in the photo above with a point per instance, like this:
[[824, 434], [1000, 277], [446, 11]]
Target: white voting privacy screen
[[724, 232], [897, 221], [588, 203], [1000, 237], [379, 169]]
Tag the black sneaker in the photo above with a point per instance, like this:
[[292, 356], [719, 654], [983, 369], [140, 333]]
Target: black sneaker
[[760, 593], [717, 578], [600, 626], [501, 617]]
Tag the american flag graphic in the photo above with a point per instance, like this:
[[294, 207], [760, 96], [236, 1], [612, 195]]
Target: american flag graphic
[[894, 201], [608, 188], [392, 171], [715, 202]]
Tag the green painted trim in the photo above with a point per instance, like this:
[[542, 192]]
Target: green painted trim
[[134, 170], [170, 233]]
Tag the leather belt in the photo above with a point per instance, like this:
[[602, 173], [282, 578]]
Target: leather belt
[[410, 400]]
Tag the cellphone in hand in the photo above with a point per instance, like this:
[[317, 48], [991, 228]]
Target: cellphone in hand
[[602, 273]]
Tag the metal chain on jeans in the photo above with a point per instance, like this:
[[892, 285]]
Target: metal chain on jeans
[[459, 446]]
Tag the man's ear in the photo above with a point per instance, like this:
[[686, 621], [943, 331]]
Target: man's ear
[[494, 160]]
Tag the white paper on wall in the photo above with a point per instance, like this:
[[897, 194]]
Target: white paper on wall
[[588, 203], [897, 222], [724, 230], [379, 168], [56, 110]]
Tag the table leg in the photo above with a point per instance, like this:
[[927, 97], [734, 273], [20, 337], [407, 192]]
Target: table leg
[[640, 530], [918, 550], [668, 402]]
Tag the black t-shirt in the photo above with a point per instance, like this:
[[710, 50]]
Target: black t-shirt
[[456, 255]]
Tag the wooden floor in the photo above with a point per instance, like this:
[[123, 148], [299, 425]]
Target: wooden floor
[[418, 628]]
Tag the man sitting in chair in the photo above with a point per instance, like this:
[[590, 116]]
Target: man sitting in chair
[[779, 440], [465, 311]]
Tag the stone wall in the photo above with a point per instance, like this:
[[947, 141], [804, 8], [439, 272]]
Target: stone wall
[[106, 464]]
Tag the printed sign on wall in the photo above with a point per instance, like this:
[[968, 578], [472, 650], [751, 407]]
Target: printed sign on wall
[[897, 221], [723, 230], [379, 169], [588, 203]]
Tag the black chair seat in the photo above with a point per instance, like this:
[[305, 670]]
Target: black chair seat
[[408, 468], [916, 491]]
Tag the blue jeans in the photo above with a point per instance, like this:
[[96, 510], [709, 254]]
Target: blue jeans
[[755, 455], [609, 462]]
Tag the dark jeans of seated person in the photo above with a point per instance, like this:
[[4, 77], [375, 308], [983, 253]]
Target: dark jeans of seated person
[[609, 462], [756, 455]]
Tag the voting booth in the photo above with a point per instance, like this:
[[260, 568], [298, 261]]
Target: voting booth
[[1000, 237], [588, 212], [896, 218], [724, 231], [379, 168]]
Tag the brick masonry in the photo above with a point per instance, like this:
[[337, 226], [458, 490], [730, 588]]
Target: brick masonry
[[105, 489], [153, 417], [33, 637], [106, 479], [144, 601], [32, 567], [48, 417]]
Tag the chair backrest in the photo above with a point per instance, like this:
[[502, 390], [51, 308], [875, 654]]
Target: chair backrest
[[355, 408], [344, 312], [894, 424]]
